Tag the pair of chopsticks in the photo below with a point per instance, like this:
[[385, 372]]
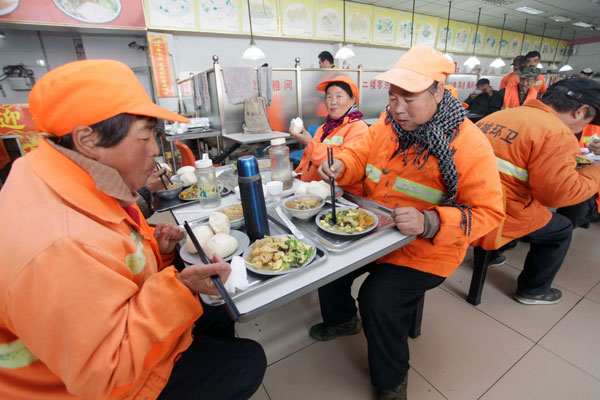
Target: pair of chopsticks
[[231, 308], [333, 219], [162, 176]]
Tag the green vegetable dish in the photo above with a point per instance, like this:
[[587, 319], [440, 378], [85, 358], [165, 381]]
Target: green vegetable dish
[[348, 221], [276, 254]]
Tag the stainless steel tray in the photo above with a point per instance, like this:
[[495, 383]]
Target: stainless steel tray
[[336, 243], [262, 282]]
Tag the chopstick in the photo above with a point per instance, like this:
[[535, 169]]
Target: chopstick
[[158, 168], [331, 186], [231, 307]]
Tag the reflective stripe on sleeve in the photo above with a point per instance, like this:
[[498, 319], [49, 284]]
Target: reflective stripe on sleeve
[[372, 173], [511, 169], [334, 140], [419, 191], [15, 355]]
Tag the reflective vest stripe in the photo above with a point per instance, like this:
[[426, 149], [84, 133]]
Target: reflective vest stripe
[[334, 140], [15, 355], [511, 169], [586, 139], [419, 191], [373, 173]]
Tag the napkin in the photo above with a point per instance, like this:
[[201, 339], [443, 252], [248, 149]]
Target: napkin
[[238, 278]]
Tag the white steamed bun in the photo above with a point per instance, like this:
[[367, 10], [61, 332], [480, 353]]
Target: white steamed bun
[[202, 233], [221, 244], [219, 222]]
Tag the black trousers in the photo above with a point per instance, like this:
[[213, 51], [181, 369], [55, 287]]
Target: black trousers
[[580, 214], [217, 365], [387, 300]]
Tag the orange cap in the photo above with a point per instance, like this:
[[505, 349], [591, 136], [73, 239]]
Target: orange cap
[[416, 70], [87, 92], [341, 78]]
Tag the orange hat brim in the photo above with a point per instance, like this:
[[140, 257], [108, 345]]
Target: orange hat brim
[[406, 79]]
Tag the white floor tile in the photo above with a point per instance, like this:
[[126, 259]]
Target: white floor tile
[[594, 294], [576, 338], [261, 394], [541, 375]]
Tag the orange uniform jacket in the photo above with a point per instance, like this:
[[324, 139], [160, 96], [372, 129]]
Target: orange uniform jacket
[[589, 131], [84, 310], [315, 152], [391, 183], [506, 79], [536, 154], [511, 96], [539, 85]]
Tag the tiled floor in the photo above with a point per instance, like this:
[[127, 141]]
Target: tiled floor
[[497, 350]]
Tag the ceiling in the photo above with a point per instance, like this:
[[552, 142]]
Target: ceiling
[[492, 15]]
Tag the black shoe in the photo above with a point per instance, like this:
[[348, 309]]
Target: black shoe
[[552, 297], [397, 393], [322, 334], [498, 261]]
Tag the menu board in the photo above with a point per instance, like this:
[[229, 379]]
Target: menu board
[[426, 28], [513, 48], [105, 13], [548, 49], [534, 43], [171, 14], [492, 40], [264, 17], [219, 15], [297, 18], [384, 25], [461, 34], [404, 30], [358, 22], [328, 19], [444, 32]]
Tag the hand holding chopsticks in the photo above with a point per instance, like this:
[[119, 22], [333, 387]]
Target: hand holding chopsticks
[[333, 220], [162, 176], [231, 307]]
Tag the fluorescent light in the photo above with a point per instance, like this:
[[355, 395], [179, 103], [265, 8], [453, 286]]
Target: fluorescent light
[[583, 24], [253, 53], [497, 63], [472, 61], [559, 18], [344, 53], [565, 68], [529, 10], [552, 67]]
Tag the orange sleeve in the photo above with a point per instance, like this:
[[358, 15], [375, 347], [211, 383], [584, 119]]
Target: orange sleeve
[[351, 133], [505, 80], [355, 157]]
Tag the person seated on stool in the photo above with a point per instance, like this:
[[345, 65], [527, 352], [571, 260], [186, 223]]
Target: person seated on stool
[[430, 164], [91, 306], [484, 100], [536, 152], [343, 127]]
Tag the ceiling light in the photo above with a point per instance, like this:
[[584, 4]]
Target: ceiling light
[[559, 18], [345, 52], [40, 62], [472, 61], [252, 53], [565, 68], [583, 24], [529, 10], [552, 67], [497, 63]]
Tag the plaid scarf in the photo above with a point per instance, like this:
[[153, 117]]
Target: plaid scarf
[[434, 138], [331, 123]]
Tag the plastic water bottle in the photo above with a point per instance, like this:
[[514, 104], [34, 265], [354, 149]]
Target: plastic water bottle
[[281, 168], [253, 198], [208, 190]]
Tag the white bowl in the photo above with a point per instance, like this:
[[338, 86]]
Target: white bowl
[[275, 188], [303, 214]]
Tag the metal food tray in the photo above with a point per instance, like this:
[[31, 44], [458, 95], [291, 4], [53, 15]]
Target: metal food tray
[[261, 282], [336, 243]]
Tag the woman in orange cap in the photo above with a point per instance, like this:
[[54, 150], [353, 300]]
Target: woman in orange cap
[[437, 172], [91, 306], [344, 126]]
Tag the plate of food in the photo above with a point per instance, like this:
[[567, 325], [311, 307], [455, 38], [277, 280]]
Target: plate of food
[[91, 11], [278, 255], [8, 6], [225, 245], [350, 222], [584, 159]]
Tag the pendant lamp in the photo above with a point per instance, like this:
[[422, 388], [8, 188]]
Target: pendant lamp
[[344, 52], [567, 67], [540, 65], [553, 66], [473, 61], [498, 62], [446, 54], [252, 53]]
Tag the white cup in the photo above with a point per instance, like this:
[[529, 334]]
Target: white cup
[[236, 190], [275, 188]]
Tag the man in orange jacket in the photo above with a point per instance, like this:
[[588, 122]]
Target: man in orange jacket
[[431, 165], [90, 305], [520, 89], [536, 149], [517, 63]]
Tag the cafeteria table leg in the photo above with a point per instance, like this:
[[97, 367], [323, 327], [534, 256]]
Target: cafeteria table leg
[[415, 327], [481, 260]]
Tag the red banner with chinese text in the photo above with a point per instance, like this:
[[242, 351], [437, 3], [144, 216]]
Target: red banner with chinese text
[[15, 119], [161, 66]]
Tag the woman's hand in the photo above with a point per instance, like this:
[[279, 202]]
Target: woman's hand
[[409, 220], [302, 137], [154, 182], [198, 277], [334, 171], [594, 146], [167, 236]]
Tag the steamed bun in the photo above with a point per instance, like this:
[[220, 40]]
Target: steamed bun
[[222, 244], [301, 189], [219, 222], [202, 233], [319, 188], [187, 175], [296, 125]]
